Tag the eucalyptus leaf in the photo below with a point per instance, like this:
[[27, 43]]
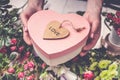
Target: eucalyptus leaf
[[7, 6], [14, 19], [4, 2], [1, 66], [7, 42], [9, 77], [14, 12], [1, 55]]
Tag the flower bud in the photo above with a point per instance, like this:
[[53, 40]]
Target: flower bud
[[11, 70], [13, 48], [13, 41], [20, 75], [89, 75]]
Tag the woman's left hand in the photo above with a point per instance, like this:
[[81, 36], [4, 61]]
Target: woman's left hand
[[95, 24]]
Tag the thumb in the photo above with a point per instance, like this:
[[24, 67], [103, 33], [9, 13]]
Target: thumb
[[24, 20]]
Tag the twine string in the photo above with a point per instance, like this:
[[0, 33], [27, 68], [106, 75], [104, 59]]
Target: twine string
[[71, 24]]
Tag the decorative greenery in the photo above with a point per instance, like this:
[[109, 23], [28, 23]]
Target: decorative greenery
[[17, 60]]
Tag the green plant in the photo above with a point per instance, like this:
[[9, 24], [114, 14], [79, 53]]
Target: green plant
[[9, 23]]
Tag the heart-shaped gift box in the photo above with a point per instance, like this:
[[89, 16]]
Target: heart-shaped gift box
[[57, 38]]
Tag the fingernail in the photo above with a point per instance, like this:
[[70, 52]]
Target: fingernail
[[83, 53], [25, 29], [92, 35]]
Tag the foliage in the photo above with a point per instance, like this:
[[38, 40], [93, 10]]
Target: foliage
[[9, 23]]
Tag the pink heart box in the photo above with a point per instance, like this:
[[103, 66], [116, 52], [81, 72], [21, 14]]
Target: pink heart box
[[55, 52]]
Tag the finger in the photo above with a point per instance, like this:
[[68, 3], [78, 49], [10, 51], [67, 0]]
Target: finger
[[96, 27], [26, 37], [91, 42], [24, 20], [94, 36], [83, 53]]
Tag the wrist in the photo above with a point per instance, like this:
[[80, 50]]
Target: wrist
[[94, 6], [36, 4]]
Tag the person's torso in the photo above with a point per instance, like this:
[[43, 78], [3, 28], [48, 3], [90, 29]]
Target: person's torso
[[66, 6]]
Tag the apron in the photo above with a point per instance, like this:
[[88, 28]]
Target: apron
[[65, 6]]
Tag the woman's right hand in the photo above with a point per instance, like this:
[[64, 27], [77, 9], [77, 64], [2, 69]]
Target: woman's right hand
[[26, 14]]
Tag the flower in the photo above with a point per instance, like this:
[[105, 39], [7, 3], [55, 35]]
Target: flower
[[31, 77], [13, 41], [21, 75], [13, 48], [89, 75], [31, 64], [21, 48], [114, 20], [3, 49], [118, 13], [11, 70], [103, 64], [113, 66], [27, 54], [93, 66]]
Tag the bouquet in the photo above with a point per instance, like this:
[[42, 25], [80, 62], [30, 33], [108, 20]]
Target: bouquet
[[113, 19]]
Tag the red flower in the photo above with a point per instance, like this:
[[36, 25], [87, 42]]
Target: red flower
[[3, 49], [43, 65], [118, 31], [20, 75], [31, 77], [31, 64], [118, 13], [13, 41], [117, 20], [21, 48], [27, 54], [88, 75], [11, 70], [109, 16], [13, 48], [26, 67]]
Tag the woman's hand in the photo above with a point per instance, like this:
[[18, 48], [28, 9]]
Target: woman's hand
[[33, 6], [93, 15]]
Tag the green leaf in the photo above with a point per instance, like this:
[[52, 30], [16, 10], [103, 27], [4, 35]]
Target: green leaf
[[9, 77], [81, 70], [4, 2], [118, 71], [1, 66], [1, 55]]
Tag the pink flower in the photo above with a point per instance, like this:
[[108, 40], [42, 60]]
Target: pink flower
[[26, 67], [109, 16], [13, 41], [89, 75], [31, 77], [20, 75], [117, 20], [11, 70], [31, 64], [13, 48], [3, 49], [21, 48], [118, 13], [43, 65], [118, 31], [27, 54]]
